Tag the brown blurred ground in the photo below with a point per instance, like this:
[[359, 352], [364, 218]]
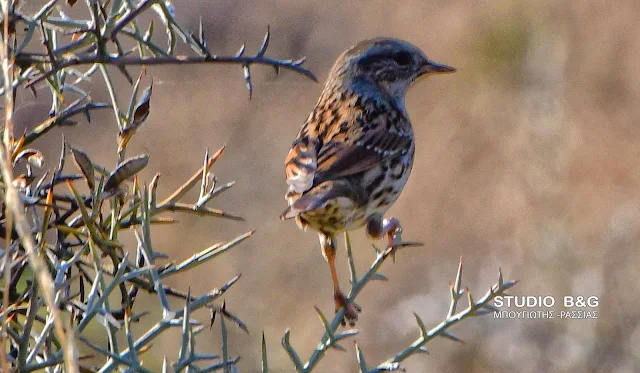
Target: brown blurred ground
[[526, 160]]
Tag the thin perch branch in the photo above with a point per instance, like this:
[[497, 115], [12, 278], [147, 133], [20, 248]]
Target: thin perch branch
[[122, 61]]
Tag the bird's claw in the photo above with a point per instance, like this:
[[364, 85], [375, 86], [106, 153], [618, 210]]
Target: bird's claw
[[395, 243], [351, 309]]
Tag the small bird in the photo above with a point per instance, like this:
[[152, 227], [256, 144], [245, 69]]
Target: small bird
[[354, 154]]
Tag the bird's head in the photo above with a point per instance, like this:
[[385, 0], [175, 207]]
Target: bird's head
[[392, 64]]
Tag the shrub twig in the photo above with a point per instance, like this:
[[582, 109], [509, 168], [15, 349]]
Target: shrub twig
[[79, 271], [331, 337]]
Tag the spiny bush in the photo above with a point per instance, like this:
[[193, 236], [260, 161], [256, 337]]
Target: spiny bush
[[64, 257]]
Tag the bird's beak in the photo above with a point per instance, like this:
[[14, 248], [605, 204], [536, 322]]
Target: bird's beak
[[431, 67]]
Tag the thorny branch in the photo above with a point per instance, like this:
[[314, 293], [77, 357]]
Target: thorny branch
[[92, 39], [65, 227], [331, 336], [96, 43], [122, 61]]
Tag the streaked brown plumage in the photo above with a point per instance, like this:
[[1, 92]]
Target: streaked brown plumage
[[353, 156]]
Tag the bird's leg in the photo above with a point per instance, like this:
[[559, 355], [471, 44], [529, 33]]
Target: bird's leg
[[377, 227], [329, 253]]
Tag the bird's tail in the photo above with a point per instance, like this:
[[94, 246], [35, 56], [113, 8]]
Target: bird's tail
[[304, 203], [317, 197]]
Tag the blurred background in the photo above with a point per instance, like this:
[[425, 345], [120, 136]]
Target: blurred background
[[526, 159]]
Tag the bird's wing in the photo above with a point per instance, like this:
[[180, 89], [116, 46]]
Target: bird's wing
[[348, 145], [365, 148]]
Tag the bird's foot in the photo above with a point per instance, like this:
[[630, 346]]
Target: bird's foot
[[350, 309], [395, 240]]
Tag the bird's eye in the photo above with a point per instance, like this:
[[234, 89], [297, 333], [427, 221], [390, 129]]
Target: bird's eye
[[402, 58]]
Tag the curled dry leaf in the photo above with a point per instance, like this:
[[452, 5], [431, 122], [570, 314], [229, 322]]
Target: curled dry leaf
[[124, 171], [81, 159], [36, 160], [33, 156], [141, 112]]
